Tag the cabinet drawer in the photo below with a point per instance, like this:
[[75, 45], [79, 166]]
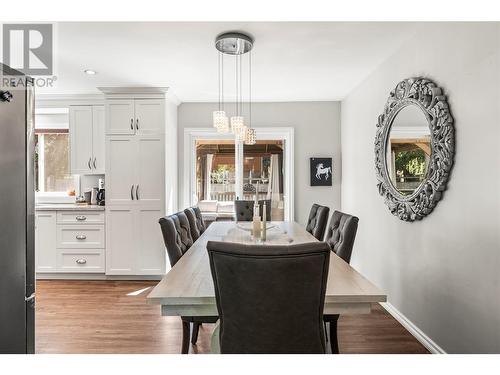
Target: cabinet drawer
[[77, 260], [80, 236], [80, 217]]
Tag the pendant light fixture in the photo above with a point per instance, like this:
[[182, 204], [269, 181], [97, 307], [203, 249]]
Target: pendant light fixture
[[220, 120], [235, 44]]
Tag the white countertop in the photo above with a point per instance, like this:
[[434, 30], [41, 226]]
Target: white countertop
[[67, 207]]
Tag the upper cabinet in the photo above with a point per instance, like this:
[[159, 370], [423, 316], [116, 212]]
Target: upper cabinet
[[86, 132], [135, 116]]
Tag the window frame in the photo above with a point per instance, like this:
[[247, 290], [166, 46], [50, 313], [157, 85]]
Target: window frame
[[51, 196]]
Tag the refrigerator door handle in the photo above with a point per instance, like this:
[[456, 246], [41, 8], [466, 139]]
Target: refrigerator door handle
[[30, 298]]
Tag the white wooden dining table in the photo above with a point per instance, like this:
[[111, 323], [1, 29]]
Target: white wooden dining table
[[188, 290]]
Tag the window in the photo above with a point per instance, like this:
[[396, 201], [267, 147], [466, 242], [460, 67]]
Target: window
[[52, 157]]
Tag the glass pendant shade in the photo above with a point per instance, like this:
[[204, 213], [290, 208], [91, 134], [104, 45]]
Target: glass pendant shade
[[250, 136], [220, 121], [242, 134], [237, 124]]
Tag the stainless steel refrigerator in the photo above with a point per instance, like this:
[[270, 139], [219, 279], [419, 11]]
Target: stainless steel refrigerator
[[17, 213]]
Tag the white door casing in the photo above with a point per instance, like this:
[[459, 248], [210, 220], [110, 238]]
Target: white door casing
[[191, 135]]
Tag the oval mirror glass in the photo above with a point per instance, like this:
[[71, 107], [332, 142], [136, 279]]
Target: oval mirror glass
[[408, 150]]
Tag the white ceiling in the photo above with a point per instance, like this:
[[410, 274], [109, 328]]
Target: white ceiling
[[291, 61]]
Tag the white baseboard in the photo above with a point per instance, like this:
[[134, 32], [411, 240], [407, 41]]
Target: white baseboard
[[413, 329]]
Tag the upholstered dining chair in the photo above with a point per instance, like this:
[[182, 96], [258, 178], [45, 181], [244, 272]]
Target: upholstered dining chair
[[340, 237], [317, 221], [196, 223], [275, 304], [244, 209], [177, 237]]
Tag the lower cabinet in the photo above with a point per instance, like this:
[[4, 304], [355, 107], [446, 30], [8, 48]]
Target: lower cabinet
[[134, 244], [70, 242], [45, 241], [123, 240]]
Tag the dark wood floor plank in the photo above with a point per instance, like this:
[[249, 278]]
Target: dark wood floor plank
[[99, 317]]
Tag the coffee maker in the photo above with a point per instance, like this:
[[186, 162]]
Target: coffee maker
[[100, 193]]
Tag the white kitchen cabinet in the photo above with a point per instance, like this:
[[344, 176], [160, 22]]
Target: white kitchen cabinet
[[150, 171], [121, 252], [149, 116], [70, 242], [150, 246], [135, 180], [134, 244], [135, 196], [135, 116], [45, 241], [86, 132], [121, 162], [120, 117]]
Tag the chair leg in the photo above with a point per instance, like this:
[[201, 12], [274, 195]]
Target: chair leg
[[194, 335], [186, 328], [334, 344]]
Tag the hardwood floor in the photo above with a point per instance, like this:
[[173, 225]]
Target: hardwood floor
[[100, 317]]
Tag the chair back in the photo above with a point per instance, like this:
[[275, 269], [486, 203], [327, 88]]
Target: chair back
[[176, 235], [270, 299], [317, 221], [244, 209], [341, 234], [196, 223]]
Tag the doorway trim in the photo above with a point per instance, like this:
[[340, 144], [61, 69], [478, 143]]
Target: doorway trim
[[191, 135]]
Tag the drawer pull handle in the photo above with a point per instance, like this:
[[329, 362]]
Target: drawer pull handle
[[81, 261], [81, 218], [81, 236]]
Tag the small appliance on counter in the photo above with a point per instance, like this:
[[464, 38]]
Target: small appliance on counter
[[100, 193]]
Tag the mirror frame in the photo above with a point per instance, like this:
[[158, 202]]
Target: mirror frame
[[425, 94]]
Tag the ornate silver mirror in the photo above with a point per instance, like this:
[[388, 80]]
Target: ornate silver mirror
[[414, 148]]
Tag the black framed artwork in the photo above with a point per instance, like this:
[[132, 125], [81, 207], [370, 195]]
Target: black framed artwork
[[321, 171]]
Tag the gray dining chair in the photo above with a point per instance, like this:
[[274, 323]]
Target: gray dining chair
[[244, 209], [196, 223], [177, 237], [340, 237], [318, 218], [270, 299]]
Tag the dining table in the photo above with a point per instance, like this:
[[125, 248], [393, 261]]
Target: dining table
[[188, 290]]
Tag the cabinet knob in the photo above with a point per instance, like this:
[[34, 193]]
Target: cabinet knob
[[81, 261], [81, 236], [81, 218]]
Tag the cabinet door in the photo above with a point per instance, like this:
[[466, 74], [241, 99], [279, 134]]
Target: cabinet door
[[121, 254], [45, 241], [120, 167], [120, 117], [149, 116], [150, 248], [150, 189], [80, 134], [98, 140]]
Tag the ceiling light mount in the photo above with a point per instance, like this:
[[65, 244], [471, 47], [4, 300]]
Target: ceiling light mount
[[234, 43]]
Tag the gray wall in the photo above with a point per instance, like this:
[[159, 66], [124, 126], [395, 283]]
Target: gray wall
[[442, 273], [317, 133]]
